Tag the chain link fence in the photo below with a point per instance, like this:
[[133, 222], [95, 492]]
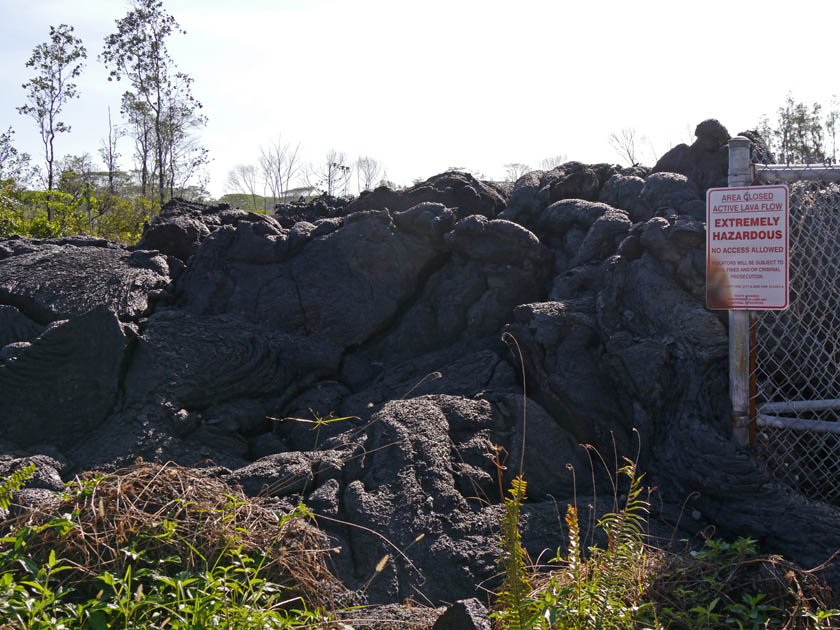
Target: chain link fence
[[795, 371]]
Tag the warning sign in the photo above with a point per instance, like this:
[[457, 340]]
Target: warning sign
[[747, 248]]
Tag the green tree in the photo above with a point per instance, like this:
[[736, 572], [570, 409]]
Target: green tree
[[183, 155], [56, 63], [14, 173], [162, 103], [75, 172], [14, 165], [798, 134]]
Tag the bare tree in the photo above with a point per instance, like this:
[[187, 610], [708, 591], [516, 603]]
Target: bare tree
[[651, 151], [553, 162], [185, 159], [462, 169], [332, 176], [243, 179], [292, 168], [280, 164], [515, 170], [108, 152], [831, 118], [624, 143], [368, 172]]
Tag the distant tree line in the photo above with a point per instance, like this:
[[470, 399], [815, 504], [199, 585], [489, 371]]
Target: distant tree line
[[802, 132], [279, 175]]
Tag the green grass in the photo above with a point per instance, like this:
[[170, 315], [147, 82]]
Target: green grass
[[230, 594]]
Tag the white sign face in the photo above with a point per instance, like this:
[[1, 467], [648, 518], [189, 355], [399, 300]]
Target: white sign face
[[747, 248]]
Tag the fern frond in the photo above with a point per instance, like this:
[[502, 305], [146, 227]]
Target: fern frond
[[517, 610], [14, 482], [617, 566], [626, 526]]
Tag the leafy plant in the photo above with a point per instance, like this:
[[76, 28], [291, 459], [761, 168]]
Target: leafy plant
[[14, 482], [230, 594], [821, 619], [710, 588], [50, 214]]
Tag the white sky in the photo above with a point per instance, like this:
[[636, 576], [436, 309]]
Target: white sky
[[422, 86]]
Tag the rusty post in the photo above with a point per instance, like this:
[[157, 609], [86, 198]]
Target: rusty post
[[740, 174], [753, 372]]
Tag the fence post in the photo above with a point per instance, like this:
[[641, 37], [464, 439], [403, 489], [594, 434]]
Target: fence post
[[740, 174]]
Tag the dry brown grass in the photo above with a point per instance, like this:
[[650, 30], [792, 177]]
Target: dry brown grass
[[166, 511]]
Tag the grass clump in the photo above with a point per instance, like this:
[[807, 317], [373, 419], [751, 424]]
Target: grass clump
[[166, 547]]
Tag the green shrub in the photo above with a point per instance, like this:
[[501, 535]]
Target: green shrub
[[50, 214]]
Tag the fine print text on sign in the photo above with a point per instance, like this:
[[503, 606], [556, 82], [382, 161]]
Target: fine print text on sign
[[747, 248]]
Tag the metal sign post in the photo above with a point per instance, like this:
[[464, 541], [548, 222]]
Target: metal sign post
[[747, 268], [740, 174]]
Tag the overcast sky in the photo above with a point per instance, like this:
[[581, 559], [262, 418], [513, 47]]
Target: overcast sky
[[422, 86]]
